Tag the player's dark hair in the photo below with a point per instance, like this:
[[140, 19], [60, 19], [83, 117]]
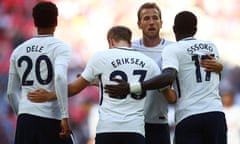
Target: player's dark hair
[[185, 23], [148, 5], [45, 14], [120, 33]]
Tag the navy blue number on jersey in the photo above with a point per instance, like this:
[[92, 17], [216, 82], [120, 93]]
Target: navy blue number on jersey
[[123, 75], [28, 60], [195, 58]]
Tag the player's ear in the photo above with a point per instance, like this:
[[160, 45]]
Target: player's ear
[[174, 29], [139, 25], [194, 30], [55, 22], [111, 43]]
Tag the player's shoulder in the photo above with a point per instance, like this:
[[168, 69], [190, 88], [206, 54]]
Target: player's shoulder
[[209, 42], [204, 43], [172, 45], [18, 48], [137, 44], [137, 41], [166, 41], [57, 41], [58, 45]]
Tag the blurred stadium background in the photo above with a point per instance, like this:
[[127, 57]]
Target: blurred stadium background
[[84, 23]]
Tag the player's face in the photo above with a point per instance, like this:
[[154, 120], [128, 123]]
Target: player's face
[[150, 23]]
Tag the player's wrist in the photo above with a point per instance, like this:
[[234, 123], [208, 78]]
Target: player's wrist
[[135, 87]]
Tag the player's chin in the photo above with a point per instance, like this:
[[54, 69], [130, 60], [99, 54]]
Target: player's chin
[[152, 34]]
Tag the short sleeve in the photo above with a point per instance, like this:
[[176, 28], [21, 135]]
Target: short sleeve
[[170, 58]]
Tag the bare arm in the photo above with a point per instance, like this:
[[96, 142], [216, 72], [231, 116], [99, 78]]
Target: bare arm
[[74, 88], [170, 95], [166, 78], [122, 88], [211, 64], [77, 86]]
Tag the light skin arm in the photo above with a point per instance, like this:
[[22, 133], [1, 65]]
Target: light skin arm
[[93, 83], [74, 88], [170, 95], [65, 132]]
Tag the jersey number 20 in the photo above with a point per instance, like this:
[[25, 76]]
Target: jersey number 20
[[28, 60]]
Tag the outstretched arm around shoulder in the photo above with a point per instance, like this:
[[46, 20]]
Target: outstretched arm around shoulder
[[212, 64], [160, 81], [74, 88]]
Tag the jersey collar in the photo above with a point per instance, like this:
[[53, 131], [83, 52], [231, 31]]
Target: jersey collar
[[188, 38], [47, 35], [124, 48], [162, 41]]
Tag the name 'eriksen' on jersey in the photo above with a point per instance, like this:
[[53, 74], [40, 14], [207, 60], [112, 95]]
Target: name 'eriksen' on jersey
[[34, 48], [118, 62]]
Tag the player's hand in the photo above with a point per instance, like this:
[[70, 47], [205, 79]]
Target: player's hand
[[65, 129], [39, 95], [170, 95], [78, 75], [211, 64], [120, 89]]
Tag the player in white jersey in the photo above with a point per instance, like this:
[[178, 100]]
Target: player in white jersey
[[231, 111], [199, 111], [121, 119], [156, 106], [40, 62], [151, 44]]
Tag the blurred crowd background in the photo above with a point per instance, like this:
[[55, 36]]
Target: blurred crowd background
[[83, 24]]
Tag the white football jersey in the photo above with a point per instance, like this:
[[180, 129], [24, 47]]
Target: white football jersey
[[126, 114], [198, 89], [156, 106], [40, 62]]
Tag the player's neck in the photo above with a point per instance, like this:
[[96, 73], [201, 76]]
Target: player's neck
[[45, 31], [151, 42], [182, 36], [122, 43]]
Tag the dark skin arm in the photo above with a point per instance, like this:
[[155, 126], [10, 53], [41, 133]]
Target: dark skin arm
[[160, 81], [211, 64], [166, 78]]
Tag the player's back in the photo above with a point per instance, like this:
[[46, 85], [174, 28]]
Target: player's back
[[198, 89], [35, 61], [121, 114]]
